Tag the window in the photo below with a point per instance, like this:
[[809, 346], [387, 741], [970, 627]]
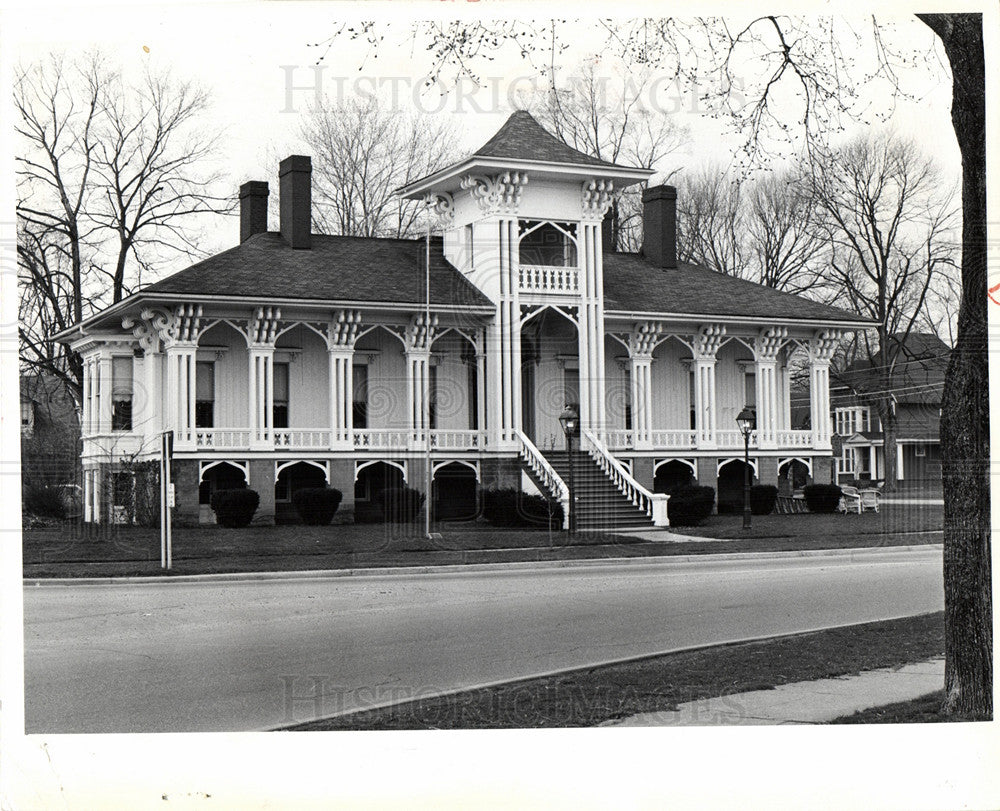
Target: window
[[27, 417], [920, 450], [432, 391], [204, 404], [852, 420], [121, 393], [279, 415], [691, 400], [750, 389], [360, 374]]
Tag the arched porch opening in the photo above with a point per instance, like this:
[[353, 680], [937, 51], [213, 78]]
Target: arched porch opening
[[371, 479], [729, 490], [217, 476], [455, 493], [291, 478], [671, 476]]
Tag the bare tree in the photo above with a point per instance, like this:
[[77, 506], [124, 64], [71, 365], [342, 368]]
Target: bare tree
[[363, 153], [887, 220], [151, 163], [785, 248], [801, 58], [109, 177], [710, 221]]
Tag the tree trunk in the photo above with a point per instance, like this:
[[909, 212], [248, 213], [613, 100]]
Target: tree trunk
[[965, 404]]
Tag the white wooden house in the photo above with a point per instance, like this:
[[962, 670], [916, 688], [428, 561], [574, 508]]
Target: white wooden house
[[295, 358]]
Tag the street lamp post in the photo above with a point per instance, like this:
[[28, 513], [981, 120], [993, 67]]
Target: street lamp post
[[747, 421], [570, 422]]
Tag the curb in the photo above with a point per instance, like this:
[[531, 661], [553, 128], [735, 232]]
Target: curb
[[475, 568]]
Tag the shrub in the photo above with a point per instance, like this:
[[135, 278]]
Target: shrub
[[316, 505], [235, 508], [763, 498], [400, 505], [690, 505], [822, 498], [514, 508], [44, 501]]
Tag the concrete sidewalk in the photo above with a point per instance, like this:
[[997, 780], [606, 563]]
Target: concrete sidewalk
[[805, 702]]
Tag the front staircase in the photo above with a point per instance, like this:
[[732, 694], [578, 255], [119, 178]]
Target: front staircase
[[599, 502]]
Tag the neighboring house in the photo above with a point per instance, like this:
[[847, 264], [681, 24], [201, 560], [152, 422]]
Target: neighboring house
[[297, 359], [50, 432], [917, 383]]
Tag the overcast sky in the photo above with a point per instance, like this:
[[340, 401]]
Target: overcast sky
[[246, 53]]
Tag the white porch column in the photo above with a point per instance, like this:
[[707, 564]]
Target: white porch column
[[641, 344], [417, 377], [509, 346], [88, 496], [899, 461], [152, 398], [591, 329], [704, 346], [262, 332], [767, 345], [342, 332], [420, 336], [103, 399], [88, 382], [821, 348], [181, 359], [341, 398], [261, 397], [95, 492]]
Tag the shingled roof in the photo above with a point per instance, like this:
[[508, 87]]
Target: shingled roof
[[920, 361], [634, 285], [523, 138], [335, 269]]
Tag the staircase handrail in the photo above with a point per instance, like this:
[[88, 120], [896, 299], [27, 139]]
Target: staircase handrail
[[653, 504], [545, 473]]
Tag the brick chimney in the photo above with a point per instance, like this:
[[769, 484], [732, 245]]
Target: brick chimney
[[253, 209], [659, 226], [295, 203]]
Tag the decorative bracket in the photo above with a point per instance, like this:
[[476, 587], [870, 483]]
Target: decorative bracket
[[596, 198], [443, 206], [823, 344], [497, 194], [644, 338], [421, 333], [769, 342], [706, 342]]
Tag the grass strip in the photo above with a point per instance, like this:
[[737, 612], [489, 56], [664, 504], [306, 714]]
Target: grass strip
[[924, 710], [588, 697]]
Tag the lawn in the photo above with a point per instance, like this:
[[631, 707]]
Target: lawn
[[892, 519], [591, 696], [923, 710], [74, 550]]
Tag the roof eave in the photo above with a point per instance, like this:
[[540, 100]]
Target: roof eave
[[433, 182]]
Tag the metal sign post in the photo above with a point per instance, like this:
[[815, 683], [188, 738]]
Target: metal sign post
[[166, 497]]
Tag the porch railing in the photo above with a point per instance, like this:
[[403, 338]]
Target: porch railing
[[653, 504], [548, 279], [672, 438], [381, 438], [545, 473], [302, 438], [460, 440], [734, 439], [618, 439], [222, 438], [794, 439]]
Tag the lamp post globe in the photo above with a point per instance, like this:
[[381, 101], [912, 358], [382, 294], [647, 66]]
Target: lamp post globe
[[747, 422], [570, 422]]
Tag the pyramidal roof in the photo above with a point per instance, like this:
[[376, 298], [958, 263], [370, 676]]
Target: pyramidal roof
[[523, 138]]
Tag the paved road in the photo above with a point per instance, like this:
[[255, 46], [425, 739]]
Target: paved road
[[257, 654]]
